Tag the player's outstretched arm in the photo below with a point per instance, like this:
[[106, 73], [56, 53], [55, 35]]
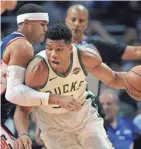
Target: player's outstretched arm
[[132, 53], [21, 120], [21, 53], [93, 64]]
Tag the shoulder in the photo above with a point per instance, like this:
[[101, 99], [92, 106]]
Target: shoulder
[[87, 52], [21, 42], [90, 58], [37, 65], [36, 73], [21, 46]]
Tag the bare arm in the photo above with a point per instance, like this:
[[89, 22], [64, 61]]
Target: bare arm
[[22, 123], [21, 53], [101, 71], [21, 120], [132, 53]]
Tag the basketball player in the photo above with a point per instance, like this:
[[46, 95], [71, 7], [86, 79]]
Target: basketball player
[[77, 20], [7, 5], [62, 69], [17, 51]]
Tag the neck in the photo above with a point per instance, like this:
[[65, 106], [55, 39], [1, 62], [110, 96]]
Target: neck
[[25, 34], [65, 68], [78, 40], [113, 122]]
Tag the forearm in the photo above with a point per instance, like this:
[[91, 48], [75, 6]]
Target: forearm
[[25, 96], [20, 94], [21, 120], [132, 53], [118, 81]]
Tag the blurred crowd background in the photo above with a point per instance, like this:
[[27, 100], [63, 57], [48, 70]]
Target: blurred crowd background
[[114, 21]]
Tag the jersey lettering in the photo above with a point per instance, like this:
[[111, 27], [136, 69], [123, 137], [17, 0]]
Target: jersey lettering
[[67, 88]]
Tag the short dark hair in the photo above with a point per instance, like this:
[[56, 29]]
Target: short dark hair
[[30, 8], [59, 31]]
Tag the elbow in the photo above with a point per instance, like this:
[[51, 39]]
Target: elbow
[[13, 95], [9, 96], [98, 62]]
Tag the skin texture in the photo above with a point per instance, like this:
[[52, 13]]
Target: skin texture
[[76, 20], [8, 5]]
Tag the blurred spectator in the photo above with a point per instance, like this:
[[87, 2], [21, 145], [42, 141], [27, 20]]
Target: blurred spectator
[[121, 130], [127, 103], [137, 141], [137, 119]]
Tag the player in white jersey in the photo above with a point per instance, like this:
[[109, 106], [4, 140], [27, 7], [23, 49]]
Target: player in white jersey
[[17, 51], [61, 69]]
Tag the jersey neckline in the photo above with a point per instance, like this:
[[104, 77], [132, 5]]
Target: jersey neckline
[[16, 32]]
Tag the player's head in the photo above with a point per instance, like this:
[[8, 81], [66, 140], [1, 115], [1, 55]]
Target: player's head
[[109, 101], [32, 20], [8, 5], [58, 46], [77, 20]]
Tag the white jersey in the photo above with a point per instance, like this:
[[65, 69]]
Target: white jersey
[[71, 84]]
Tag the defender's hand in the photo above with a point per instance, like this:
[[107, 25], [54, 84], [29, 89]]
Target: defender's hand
[[23, 142], [69, 103]]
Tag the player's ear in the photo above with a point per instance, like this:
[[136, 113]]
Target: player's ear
[[86, 25]]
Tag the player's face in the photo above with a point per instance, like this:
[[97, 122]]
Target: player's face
[[58, 53], [77, 22], [38, 31], [109, 106]]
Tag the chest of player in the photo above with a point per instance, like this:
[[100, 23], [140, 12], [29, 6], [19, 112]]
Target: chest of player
[[72, 84]]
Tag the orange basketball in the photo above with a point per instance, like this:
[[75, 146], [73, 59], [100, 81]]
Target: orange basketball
[[133, 82]]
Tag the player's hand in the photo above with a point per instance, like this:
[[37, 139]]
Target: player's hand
[[69, 103], [23, 142]]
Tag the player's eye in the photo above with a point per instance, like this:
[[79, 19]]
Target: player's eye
[[73, 19], [49, 49], [59, 49], [81, 21]]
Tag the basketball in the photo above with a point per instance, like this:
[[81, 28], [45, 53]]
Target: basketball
[[133, 82]]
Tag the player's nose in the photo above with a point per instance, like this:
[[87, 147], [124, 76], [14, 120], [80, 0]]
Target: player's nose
[[53, 54]]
